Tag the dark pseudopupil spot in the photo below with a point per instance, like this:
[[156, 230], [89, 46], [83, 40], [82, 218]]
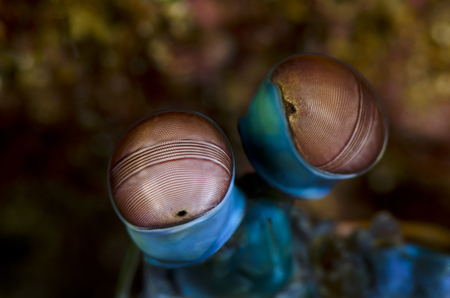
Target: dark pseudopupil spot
[[182, 213], [290, 108]]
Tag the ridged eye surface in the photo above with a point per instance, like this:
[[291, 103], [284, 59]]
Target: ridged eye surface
[[168, 169], [333, 114]]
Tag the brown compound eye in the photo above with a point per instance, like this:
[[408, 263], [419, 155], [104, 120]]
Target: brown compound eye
[[168, 169], [333, 113]]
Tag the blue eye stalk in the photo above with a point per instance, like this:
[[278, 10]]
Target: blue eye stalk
[[314, 121], [258, 262], [171, 181]]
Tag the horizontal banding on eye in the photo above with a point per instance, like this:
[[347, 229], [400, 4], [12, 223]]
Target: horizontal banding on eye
[[168, 151], [168, 162], [158, 198]]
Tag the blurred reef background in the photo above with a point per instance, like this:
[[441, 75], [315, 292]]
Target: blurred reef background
[[74, 75]]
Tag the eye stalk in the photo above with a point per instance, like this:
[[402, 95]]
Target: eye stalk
[[315, 120], [171, 182]]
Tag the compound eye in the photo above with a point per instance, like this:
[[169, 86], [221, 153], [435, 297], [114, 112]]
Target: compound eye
[[170, 168], [333, 113]]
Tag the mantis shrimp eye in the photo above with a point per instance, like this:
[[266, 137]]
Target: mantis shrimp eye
[[314, 120], [171, 182], [332, 112], [168, 169]]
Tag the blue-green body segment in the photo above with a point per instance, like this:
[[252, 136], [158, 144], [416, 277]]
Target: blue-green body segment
[[269, 146], [257, 262], [392, 270], [410, 271], [432, 270]]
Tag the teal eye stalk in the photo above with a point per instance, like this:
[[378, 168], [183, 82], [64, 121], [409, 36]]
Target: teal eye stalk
[[314, 121], [171, 182], [257, 262]]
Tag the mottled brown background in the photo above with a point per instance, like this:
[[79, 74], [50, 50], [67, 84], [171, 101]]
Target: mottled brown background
[[75, 74]]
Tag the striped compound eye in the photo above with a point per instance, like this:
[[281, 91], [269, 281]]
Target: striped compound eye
[[314, 120], [333, 113], [169, 169], [171, 182]]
